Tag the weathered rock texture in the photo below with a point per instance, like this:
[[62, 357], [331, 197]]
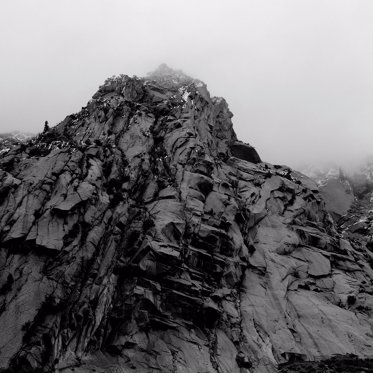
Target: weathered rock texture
[[140, 236]]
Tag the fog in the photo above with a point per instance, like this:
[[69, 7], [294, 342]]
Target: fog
[[298, 75]]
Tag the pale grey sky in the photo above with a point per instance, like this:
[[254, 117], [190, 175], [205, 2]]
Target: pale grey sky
[[297, 74]]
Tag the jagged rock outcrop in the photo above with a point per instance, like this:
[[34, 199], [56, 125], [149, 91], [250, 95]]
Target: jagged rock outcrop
[[140, 236]]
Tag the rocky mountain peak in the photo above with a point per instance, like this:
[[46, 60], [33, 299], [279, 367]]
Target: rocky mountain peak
[[140, 235], [164, 102]]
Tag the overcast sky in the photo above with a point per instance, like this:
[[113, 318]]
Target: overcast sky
[[297, 74]]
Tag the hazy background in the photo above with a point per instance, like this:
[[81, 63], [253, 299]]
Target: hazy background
[[297, 74]]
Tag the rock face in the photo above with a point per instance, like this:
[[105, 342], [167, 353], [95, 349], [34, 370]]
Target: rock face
[[140, 236]]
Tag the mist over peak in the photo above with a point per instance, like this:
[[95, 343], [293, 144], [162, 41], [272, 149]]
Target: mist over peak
[[166, 72], [299, 85], [320, 168]]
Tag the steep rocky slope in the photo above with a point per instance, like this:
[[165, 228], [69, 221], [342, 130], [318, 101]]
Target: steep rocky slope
[[139, 235]]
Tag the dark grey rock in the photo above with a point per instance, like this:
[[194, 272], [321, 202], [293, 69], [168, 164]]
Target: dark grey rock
[[132, 240]]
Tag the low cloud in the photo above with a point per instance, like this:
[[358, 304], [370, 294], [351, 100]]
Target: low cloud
[[297, 75]]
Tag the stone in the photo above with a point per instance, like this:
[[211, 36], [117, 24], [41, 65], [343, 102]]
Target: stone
[[152, 240]]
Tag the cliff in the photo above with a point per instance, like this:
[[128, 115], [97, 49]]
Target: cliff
[[139, 235]]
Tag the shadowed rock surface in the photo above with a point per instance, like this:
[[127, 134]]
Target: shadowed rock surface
[[245, 152], [337, 364], [136, 238]]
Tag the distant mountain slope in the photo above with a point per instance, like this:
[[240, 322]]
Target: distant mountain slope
[[341, 188], [11, 139]]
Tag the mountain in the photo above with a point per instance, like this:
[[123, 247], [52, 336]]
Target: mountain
[[348, 197], [139, 235], [12, 139], [343, 190], [336, 189]]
